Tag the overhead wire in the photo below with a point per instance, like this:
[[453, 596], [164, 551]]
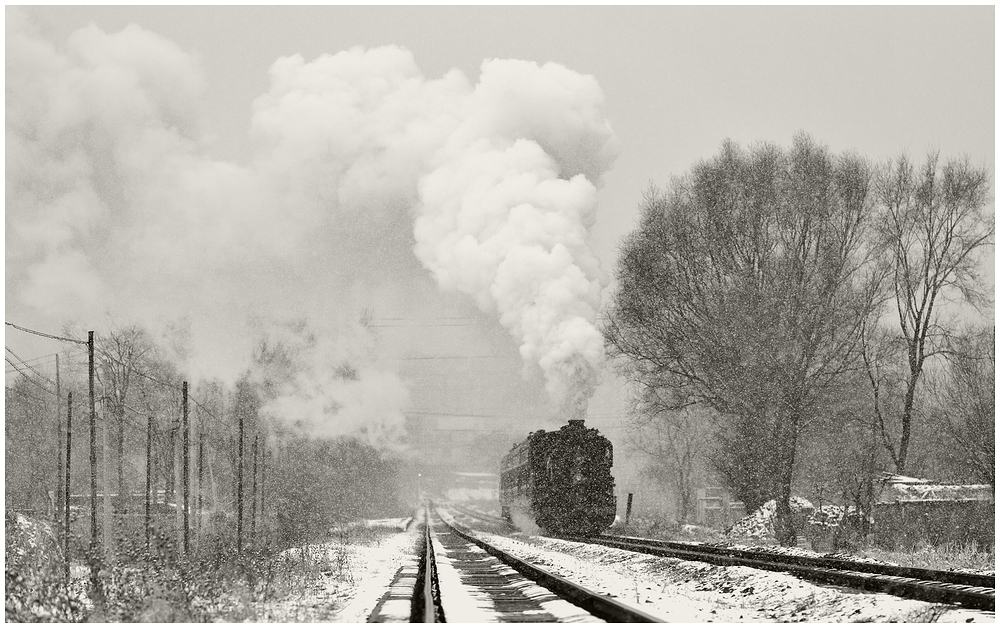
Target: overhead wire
[[45, 335], [211, 414], [28, 377], [33, 369], [201, 406]]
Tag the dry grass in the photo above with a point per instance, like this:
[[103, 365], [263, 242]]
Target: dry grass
[[948, 556], [215, 584]]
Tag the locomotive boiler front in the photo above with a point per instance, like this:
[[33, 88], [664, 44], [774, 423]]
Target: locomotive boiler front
[[561, 480]]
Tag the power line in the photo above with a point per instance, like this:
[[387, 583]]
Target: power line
[[26, 376], [45, 335], [71, 361], [50, 357], [33, 370], [429, 325], [218, 421], [473, 416], [436, 318], [452, 357]]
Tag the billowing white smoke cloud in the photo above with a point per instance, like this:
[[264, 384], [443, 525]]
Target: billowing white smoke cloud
[[114, 205], [501, 175], [331, 385]]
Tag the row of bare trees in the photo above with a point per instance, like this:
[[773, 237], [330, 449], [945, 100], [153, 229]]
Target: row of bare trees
[[796, 296], [241, 463]]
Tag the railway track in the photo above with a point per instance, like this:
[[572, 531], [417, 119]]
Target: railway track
[[942, 587], [482, 516], [461, 578]]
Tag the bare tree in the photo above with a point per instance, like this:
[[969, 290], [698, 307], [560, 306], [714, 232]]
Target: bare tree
[[934, 224], [28, 436], [968, 401], [124, 350], [673, 440], [745, 288]]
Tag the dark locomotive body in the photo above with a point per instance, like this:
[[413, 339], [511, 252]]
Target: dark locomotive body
[[560, 480]]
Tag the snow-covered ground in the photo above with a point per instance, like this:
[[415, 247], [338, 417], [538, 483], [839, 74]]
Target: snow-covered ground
[[351, 593], [357, 573], [688, 591]]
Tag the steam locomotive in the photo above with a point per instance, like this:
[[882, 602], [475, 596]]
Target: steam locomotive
[[560, 481]]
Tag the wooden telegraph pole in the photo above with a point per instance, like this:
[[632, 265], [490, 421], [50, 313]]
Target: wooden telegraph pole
[[107, 526], [95, 583], [263, 477], [201, 466], [149, 476], [69, 449], [253, 493], [239, 484], [57, 514], [187, 466]]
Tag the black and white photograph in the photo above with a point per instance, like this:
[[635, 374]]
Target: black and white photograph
[[495, 313]]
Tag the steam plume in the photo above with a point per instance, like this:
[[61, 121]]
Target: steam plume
[[365, 171]]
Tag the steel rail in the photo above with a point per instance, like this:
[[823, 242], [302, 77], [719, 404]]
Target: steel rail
[[918, 573], [430, 576], [425, 606], [865, 576], [597, 604], [482, 516]]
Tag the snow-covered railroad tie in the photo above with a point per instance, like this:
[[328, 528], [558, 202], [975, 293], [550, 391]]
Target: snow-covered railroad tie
[[463, 579]]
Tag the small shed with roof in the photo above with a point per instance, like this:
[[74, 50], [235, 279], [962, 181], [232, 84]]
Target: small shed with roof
[[912, 511]]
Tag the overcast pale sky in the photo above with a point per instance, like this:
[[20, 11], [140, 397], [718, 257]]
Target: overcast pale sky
[[677, 80], [673, 83]]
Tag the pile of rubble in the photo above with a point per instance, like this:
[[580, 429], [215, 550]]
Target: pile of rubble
[[760, 523]]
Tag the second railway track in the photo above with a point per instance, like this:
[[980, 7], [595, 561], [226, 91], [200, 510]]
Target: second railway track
[[941, 587], [964, 589]]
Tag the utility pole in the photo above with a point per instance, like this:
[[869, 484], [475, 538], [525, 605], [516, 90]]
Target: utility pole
[[69, 449], [108, 518], [253, 493], [177, 458], [239, 484], [187, 466], [95, 583], [149, 476], [108, 526], [263, 491], [201, 468], [57, 515]]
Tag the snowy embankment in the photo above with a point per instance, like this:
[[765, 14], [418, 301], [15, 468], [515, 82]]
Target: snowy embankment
[[363, 569], [688, 591]]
